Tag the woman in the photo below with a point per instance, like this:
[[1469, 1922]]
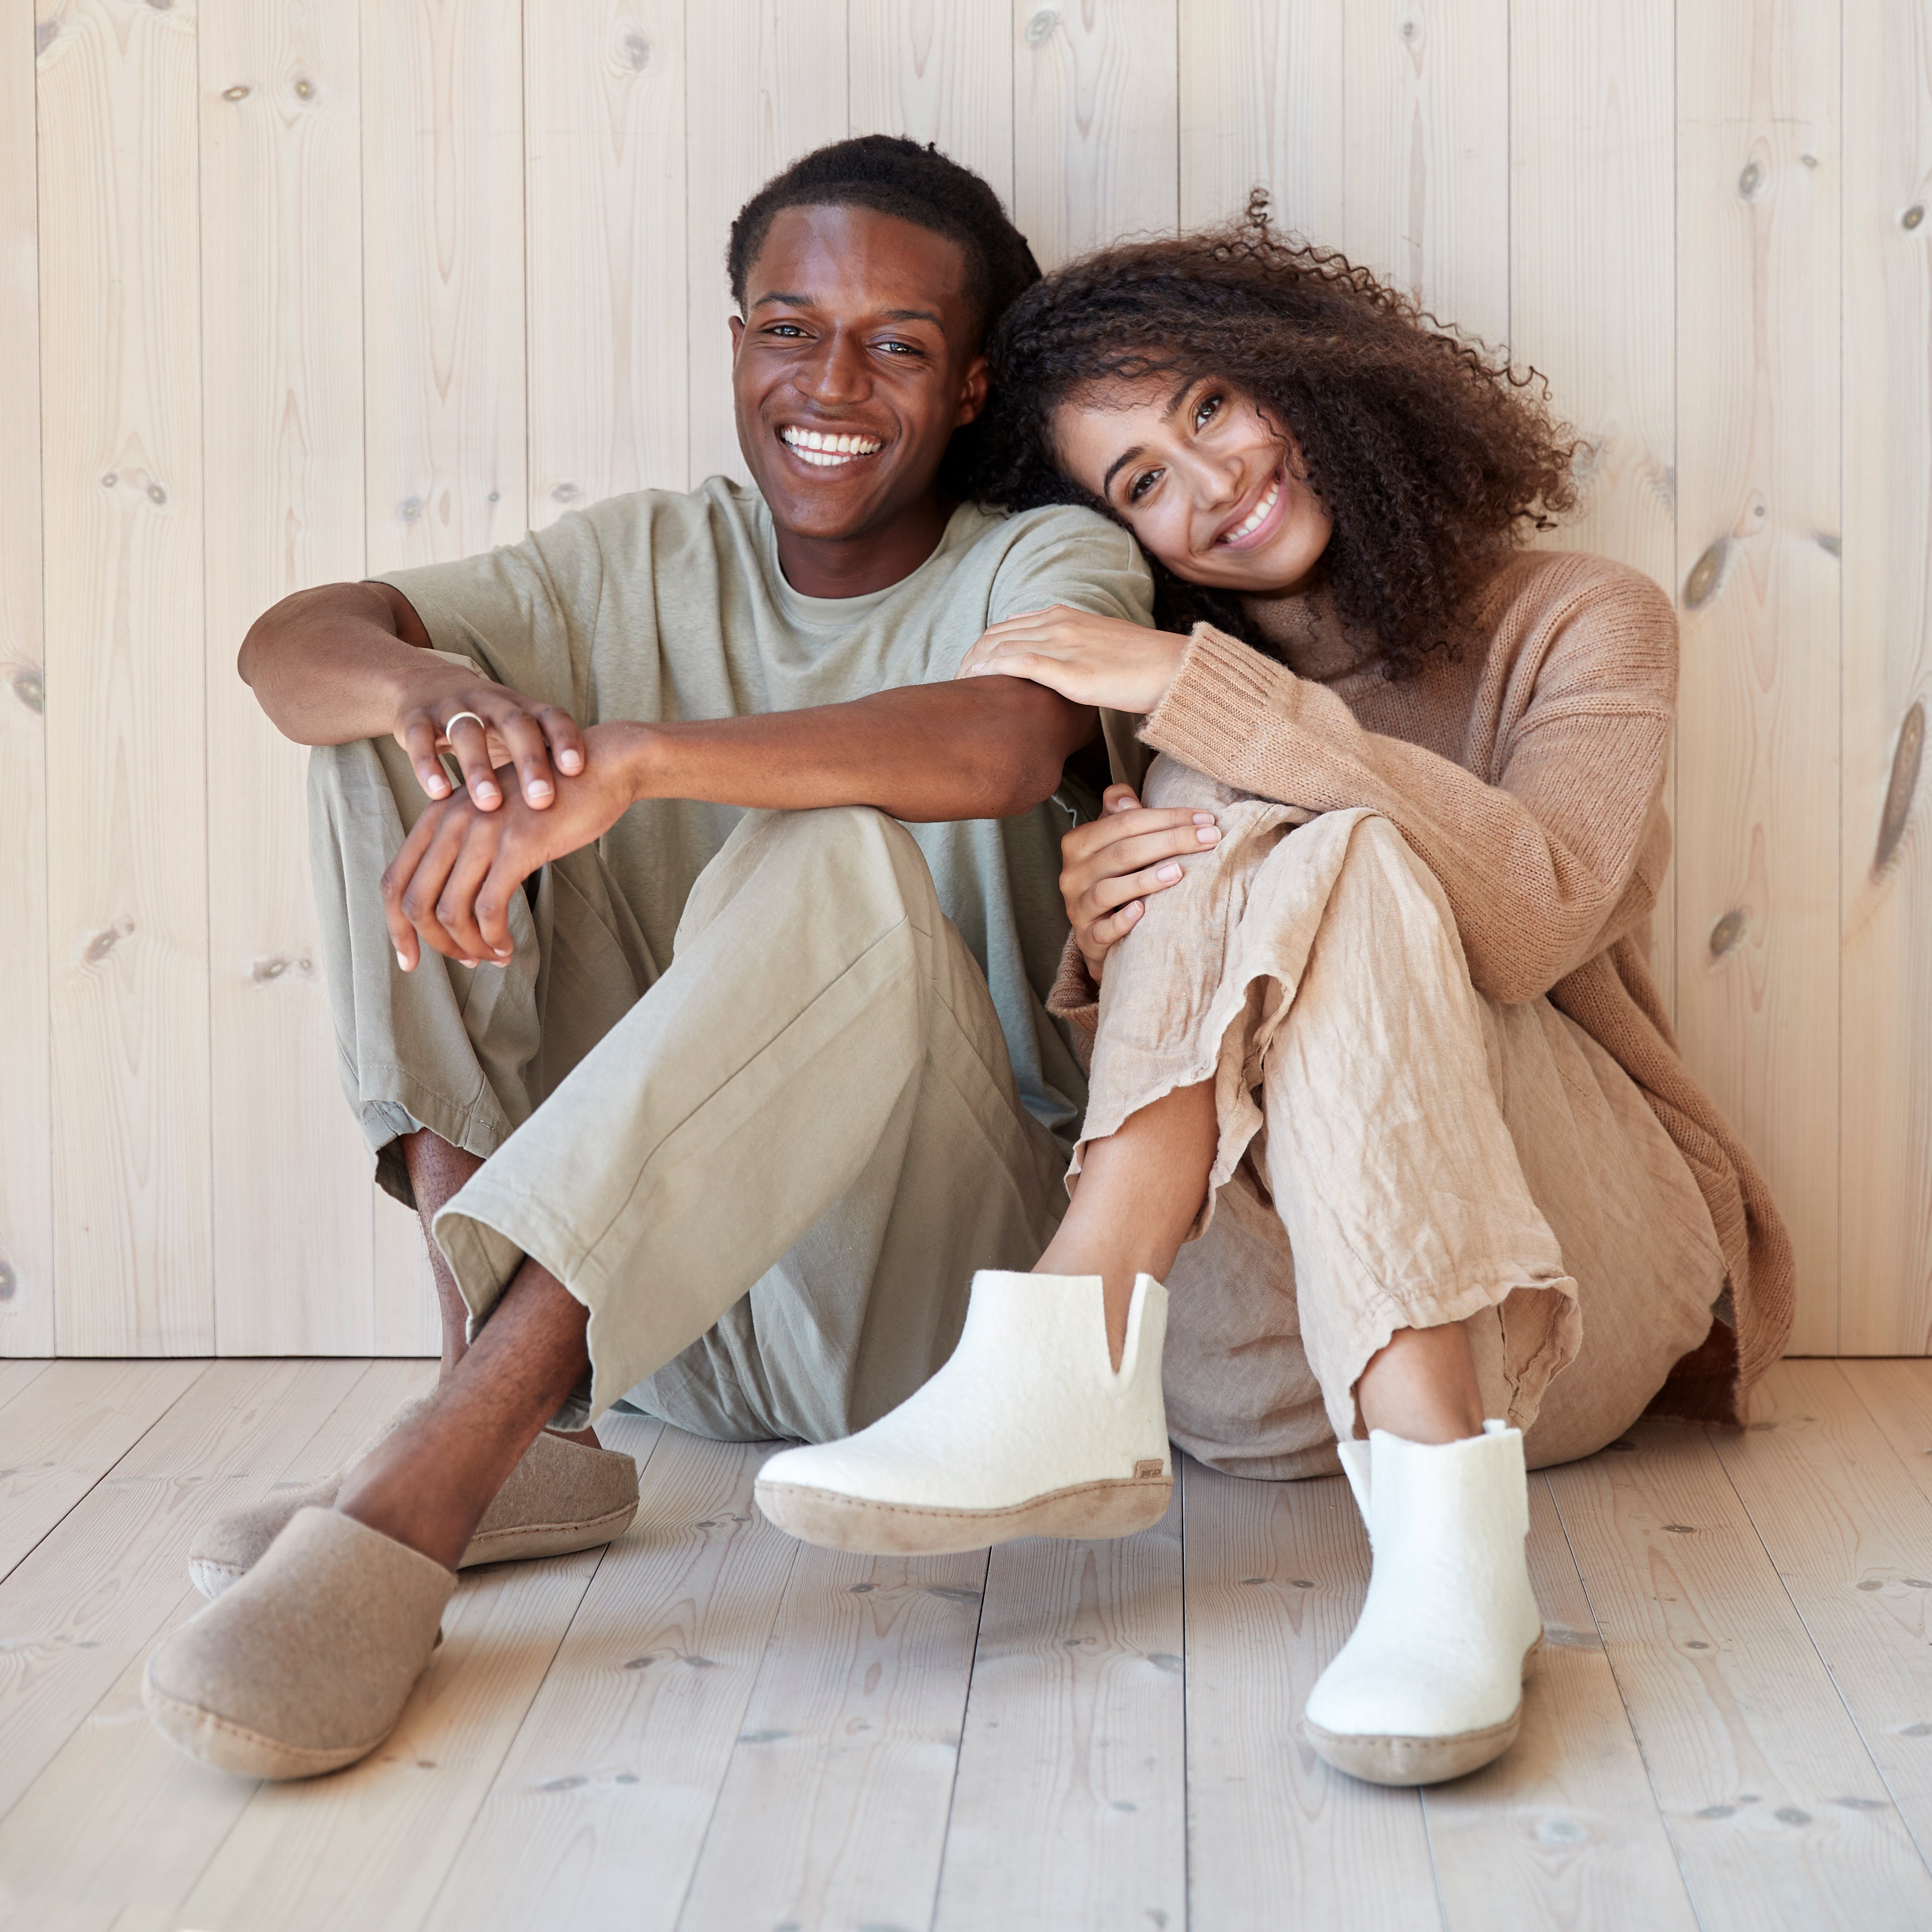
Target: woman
[[1397, 1024]]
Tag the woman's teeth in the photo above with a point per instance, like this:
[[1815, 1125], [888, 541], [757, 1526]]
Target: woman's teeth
[[1255, 517], [827, 452]]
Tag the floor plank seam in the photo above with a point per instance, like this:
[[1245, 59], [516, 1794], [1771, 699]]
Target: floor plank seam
[[965, 1719]]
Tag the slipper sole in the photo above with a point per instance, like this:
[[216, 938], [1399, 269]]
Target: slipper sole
[[1087, 1512]]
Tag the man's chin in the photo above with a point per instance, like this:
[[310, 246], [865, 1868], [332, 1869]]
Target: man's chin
[[840, 506]]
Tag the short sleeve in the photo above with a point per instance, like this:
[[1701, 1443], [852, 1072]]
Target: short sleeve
[[1071, 557], [526, 613]]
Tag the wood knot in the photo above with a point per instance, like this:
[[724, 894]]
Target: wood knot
[[1907, 756], [237, 92], [104, 941], [1707, 575], [30, 687], [565, 492], [1912, 216], [1727, 932], [1041, 26], [1750, 182], [10, 1282], [46, 32], [636, 51]]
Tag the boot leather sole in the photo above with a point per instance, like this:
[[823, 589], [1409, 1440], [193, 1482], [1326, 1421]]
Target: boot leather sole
[[1406, 1760], [1087, 1512], [518, 1543]]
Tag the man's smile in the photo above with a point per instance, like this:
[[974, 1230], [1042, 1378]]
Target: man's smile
[[824, 450]]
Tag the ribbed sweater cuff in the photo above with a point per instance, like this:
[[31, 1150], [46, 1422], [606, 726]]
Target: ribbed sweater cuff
[[1076, 999], [1209, 716]]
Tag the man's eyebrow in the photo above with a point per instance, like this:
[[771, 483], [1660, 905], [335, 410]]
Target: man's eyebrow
[[789, 301], [916, 315]]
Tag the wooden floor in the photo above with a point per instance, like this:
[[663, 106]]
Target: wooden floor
[[709, 1726]]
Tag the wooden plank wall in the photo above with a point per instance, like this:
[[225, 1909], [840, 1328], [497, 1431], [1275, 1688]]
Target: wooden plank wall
[[291, 289]]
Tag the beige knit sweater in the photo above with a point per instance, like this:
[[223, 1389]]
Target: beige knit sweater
[[1528, 776]]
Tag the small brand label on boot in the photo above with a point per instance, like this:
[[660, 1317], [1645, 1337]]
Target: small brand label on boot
[[1145, 1468]]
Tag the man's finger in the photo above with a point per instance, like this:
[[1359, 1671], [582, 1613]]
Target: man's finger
[[418, 735], [396, 877], [529, 751], [566, 741], [469, 739], [493, 902], [420, 889], [456, 904]]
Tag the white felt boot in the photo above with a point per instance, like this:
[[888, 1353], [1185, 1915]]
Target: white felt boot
[[1027, 1431], [1429, 1685]]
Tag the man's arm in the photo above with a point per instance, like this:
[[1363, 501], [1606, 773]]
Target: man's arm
[[987, 747], [350, 660]]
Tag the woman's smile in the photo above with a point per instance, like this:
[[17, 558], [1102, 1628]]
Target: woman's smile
[[1252, 528]]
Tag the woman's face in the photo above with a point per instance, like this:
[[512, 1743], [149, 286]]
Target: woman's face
[[1205, 480]]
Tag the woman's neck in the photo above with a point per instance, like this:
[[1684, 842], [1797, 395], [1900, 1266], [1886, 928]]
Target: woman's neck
[[1301, 625]]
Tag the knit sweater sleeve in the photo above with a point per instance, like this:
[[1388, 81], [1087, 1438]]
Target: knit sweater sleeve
[[1539, 868]]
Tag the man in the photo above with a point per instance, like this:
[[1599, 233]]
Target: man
[[713, 1098]]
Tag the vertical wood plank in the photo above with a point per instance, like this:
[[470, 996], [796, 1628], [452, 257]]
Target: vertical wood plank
[[442, 278], [1898, 1397], [938, 71], [26, 1119], [1758, 585], [1070, 1807], [1276, 1574], [1885, 1157], [1261, 99], [281, 295], [1427, 199], [766, 82], [121, 357], [1592, 289], [1096, 128], [603, 106]]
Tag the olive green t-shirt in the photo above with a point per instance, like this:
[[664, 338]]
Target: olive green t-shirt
[[666, 606]]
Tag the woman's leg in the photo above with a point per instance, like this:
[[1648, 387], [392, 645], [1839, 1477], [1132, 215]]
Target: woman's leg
[[1422, 1386], [1139, 1192]]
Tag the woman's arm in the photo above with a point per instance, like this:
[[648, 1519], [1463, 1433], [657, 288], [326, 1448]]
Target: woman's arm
[[1536, 866]]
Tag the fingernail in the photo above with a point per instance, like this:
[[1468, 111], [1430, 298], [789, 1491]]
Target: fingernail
[[438, 787], [571, 761], [402, 962], [488, 795], [1208, 834], [502, 951], [1170, 871], [1132, 910], [1204, 818], [539, 788]]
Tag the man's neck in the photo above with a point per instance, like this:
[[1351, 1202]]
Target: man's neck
[[875, 559]]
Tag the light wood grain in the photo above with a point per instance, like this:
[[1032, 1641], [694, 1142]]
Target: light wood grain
[[282, 301], [833, 1808], [1898, 1396], [1428, 187], [63, 1432], [26, 1119], [1592, 294], [119, 1825], [121, 423], [93, 1594], [1885, 1162], [1751, 1752], [442, 278], [1095, 123], [1070, 1806], [1276, 1573], [617, 1768], [938, 71], [1261, 104], [1758, 584], [1563, 1829], [604, 136], [766, 82], [1852, 1538]]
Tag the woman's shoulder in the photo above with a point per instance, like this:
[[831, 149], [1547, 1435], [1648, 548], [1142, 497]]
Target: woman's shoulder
[[1571, 624], [1559, 584]]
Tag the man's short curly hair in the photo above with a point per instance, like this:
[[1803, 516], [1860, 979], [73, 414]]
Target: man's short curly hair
[[1431, 455], [892, 176]]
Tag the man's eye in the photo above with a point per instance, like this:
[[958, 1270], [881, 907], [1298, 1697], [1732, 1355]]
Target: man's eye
[[1142, 484], [1206, 410], [897, 348], [785, 329]]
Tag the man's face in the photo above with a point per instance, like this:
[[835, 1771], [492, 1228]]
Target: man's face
[[856, 358]]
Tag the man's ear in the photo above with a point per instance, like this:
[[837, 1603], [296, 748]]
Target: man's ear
[[972, 392], [736, 326]]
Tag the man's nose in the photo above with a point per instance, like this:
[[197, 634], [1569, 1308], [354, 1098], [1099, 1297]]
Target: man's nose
[[836, 371]]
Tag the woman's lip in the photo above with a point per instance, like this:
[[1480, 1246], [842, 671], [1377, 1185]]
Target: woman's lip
[[1265, 528]]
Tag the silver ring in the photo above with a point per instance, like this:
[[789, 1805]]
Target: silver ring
[[459, 718]]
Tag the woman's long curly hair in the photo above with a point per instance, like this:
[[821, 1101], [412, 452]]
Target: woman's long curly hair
[[1433, 457]]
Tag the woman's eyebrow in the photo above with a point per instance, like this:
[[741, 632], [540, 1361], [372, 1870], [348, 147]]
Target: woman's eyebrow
[[1126, 456]]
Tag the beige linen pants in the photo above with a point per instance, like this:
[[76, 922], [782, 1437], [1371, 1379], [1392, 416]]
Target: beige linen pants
[[1397, 1150], [769, 1171]]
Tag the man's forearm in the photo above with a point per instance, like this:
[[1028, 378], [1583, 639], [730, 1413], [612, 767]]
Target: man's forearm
[[328, 664], [986, 748]]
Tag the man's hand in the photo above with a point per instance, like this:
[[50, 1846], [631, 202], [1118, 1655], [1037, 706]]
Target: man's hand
[[1109, 868], [1092, 660], [450, 887], [486, 726]]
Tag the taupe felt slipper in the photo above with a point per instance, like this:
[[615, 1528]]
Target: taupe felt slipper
[[563, 1496], [305, 1665]]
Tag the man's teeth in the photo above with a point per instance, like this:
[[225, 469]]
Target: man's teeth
[[827, 452], [1255, 517]]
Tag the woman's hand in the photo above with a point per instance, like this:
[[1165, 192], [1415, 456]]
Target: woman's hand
[[1109, 868], [485, 725], [1092, 660]]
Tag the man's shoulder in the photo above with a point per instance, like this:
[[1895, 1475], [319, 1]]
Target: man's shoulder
[[1052, 527], [671, 514]]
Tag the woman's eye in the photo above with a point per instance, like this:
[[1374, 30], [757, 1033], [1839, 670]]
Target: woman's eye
[[1206, 410], [1142, 484]]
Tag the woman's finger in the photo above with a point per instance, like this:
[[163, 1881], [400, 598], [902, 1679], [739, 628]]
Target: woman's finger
[[469, 738], [1111, 927], [1135, 843], [1108, 895]]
